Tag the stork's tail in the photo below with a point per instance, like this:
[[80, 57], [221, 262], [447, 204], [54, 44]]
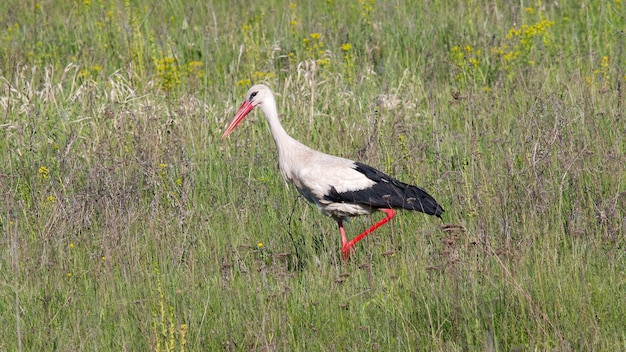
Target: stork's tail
[[417, 199]]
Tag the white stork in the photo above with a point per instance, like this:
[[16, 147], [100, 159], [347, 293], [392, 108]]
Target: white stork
[[339, 187]]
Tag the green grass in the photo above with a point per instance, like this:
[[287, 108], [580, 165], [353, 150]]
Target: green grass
[[128, 223]]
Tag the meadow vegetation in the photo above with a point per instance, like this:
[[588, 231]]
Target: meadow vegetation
[[128, 224]]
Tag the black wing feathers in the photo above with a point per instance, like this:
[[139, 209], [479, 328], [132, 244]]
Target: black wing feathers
[[387, 193]]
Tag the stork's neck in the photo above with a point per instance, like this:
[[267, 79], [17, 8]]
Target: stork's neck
[[290, 151], [282, 139]]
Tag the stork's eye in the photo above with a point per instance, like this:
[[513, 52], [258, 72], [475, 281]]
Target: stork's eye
[[252, 95]]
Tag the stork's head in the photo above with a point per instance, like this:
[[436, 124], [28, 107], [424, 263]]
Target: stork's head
[[256, 95]]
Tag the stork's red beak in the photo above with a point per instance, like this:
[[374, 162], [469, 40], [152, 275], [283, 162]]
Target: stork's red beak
[[245, 108]]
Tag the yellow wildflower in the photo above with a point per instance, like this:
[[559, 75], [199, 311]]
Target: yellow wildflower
[[95, 68], [605, 61], [244, 82], [260, 75], [323, 62], [43, 172]]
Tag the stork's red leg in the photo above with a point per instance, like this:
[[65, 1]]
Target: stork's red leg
[[345, 245], [342, 233]]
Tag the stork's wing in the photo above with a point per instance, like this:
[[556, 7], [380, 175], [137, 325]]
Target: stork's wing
[[386, 192]]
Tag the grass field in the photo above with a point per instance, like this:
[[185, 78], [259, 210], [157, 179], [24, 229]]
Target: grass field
[[128, 224]]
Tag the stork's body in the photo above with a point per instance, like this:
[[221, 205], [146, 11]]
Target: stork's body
[[339, 187]]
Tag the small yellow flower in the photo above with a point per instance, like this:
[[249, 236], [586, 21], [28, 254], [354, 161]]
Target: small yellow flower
[[605, 61], [244, 82], [346, 46], [259, 245], [258, 75], [529, 10], [43, 172], [194, 69], [508, 56], [69, 274], [323, 62], [315, 36], [71, 245], [103, 258], [50, 199], [179, 182]]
